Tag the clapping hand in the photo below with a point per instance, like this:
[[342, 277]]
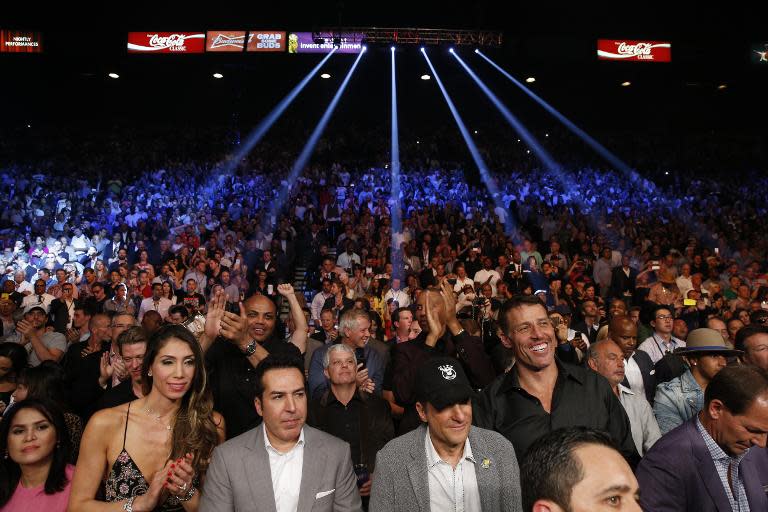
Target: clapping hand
[[235, 327], [180, 476]]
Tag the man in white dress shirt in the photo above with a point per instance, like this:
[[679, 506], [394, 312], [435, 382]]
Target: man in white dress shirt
[[446, 463], [661, 341], [398, 295], [156, 302], [281, 465], [607, 359]]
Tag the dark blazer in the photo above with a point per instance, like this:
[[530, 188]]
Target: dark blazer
[[60, 315], [645, 363], [678, 474], [379, 430], [620, 283], [582, 328], [109, 249]]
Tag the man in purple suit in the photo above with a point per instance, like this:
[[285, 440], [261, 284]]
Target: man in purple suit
[[716, 461]]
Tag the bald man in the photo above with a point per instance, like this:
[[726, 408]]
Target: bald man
[[235, 344], [639, 373], [607, 359]]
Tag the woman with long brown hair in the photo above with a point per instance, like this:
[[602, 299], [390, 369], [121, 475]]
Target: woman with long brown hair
[[168, 435]]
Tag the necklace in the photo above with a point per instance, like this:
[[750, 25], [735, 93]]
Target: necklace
[[156, 417]]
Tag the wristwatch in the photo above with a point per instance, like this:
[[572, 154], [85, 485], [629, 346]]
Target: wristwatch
[[250, 348]]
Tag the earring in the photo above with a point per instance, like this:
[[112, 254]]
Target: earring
[[5, 456], [149, 373]]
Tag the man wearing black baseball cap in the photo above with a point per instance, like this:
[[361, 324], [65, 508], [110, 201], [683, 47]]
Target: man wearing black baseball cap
[[446, 463]]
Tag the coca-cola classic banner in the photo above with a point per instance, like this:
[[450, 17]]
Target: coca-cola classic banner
[[166, 42], [629, 50]]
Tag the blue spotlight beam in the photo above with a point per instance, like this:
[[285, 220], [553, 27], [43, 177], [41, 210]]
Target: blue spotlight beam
[[543, 155], [527, 136], [309, 147], [617, 163], [395, 178], [599, 148], [493, 190], [265, 124]]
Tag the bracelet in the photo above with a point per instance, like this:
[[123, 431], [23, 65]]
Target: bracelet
[[191, 492], [461, 331], [128, 505]]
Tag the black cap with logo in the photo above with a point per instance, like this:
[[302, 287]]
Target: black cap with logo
[[441, 381]]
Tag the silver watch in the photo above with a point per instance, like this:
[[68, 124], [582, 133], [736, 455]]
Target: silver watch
[[250, 348], [128, 505]]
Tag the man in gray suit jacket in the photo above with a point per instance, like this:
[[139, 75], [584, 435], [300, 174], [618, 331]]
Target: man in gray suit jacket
[[430, 468], [281, 465]]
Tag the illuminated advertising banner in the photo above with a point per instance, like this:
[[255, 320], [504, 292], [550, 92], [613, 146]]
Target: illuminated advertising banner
[[20, 41], [644, 51], [266, 41], [759, 54], [302, 42], [166, 42], [225, 41]]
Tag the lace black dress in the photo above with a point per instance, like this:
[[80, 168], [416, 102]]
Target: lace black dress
[[126, 480]]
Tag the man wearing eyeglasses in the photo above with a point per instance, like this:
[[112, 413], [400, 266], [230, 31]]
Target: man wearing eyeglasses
[[661, 341], [753, 340], [540, 393], [63, 309]]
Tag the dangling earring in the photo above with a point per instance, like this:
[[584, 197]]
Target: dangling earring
[[5, 456], [149, 373]]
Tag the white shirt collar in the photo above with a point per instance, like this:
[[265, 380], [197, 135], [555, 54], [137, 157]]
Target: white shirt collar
[[433, 458], [271, 448], [623, 390]]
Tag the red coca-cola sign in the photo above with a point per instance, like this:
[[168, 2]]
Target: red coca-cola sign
[[166, 42], [628, 50]]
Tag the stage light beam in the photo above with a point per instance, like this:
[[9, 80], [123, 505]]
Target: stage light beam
[[514, 122], [485, 174], [309, 147], [641, 184], [395, 178], [265, 124]]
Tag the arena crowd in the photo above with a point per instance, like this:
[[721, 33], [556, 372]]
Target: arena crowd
[[585, 338]]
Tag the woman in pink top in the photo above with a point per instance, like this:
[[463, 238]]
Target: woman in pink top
[[34, 447]]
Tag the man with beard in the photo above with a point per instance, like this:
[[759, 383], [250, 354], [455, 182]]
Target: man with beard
[[40, 344]]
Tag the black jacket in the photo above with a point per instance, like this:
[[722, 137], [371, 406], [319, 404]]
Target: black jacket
[[645, 363], [620, 283], [375, 420]]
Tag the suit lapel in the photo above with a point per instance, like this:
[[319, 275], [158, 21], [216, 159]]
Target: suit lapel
[[706, 468], [314, 464], [756, 495], [488, 483], [258, 472], [417, 471]]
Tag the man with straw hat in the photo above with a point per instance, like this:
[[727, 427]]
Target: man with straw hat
[[683, 397]]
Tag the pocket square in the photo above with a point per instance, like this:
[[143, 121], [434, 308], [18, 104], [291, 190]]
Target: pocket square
[[323, 494]]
